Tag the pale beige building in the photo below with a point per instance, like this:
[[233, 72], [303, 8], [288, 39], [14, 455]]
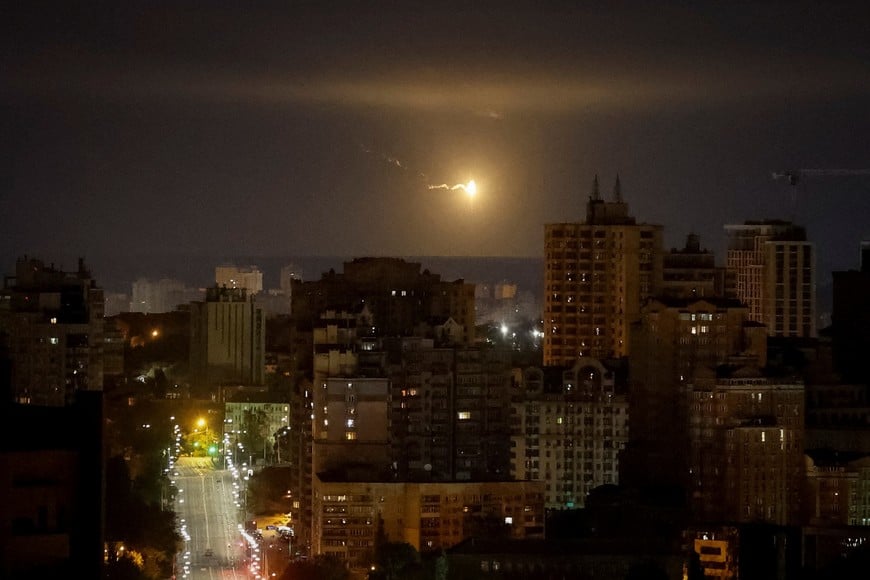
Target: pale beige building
[[597, 275], [249, 278]]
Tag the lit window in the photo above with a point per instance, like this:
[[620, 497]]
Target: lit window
[[463, 415], [350, 423], [53, 340], [350, 435], [53, 320]]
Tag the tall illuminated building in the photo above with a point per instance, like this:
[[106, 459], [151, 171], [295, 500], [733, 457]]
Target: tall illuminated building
[[597, 274], [773, 271]]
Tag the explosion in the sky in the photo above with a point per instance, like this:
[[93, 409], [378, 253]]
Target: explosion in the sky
[[470, 188]]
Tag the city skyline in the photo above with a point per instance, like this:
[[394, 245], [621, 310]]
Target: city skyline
[[332, 130]]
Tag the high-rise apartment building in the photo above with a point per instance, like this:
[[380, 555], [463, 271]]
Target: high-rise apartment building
[[397, 294], [53, 324], [746, 456], [52, 441], [691, 272], [159, 296], [774, 274], [597, 274], [401, 409], [569, 431], [249, 278], [851, 320], [351, 423], [451, 412], [227, 339], [288, 273], [673, 340], [403, 405]]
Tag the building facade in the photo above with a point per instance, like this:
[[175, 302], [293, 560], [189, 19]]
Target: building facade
[[227, 339], [597, 275], [746, 458], [672, 341], [159, 296], [450, 412], [773, 272], [429, 516], [396, 293], [850, 319], [254, 410], [570, 434], [691, 272], [53, 323], [248, 278]]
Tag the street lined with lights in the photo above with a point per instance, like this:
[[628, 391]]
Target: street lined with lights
[[207, 503]]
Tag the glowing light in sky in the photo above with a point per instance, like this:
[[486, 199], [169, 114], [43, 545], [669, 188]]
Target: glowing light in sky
[[470, 188]]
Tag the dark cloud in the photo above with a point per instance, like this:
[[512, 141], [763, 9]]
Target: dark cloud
[[218, 125]]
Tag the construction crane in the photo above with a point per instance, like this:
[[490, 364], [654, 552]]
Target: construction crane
[[793, 176]]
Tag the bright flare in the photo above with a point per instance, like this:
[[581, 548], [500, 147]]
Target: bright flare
[[470, 188]]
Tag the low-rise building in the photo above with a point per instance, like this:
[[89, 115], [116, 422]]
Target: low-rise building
[[349, 514]]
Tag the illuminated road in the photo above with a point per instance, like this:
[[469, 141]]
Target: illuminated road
[[206, 509]]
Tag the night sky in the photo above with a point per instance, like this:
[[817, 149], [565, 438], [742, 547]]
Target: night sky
[[316, 128]]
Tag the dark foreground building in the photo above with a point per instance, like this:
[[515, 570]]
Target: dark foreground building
[[52, 481]]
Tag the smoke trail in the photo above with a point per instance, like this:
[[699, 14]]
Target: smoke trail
[[470, 188], [392, 161]]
